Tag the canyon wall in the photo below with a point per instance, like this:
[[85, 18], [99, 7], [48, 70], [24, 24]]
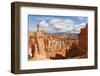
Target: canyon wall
[[83, 40], [50, 46]]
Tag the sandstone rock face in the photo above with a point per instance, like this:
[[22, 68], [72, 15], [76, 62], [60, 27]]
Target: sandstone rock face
[[74, 51], [83, 41], [80, 50], [50, 46], [47, 46], [36, 46]]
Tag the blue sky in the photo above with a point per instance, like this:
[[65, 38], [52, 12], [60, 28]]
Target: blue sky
[[56, 24]]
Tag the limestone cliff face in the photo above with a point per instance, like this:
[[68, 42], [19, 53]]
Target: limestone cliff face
[[83, 40]]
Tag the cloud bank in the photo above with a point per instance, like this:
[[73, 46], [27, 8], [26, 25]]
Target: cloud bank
[[56, 25]]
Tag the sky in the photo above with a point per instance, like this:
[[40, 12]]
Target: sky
[[57, 24]]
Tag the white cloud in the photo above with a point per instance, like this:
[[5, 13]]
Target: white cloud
[[81, 18], [62, 24], [77, 28], [83, 25], [44, 18], [44, 24], [80, 26]]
